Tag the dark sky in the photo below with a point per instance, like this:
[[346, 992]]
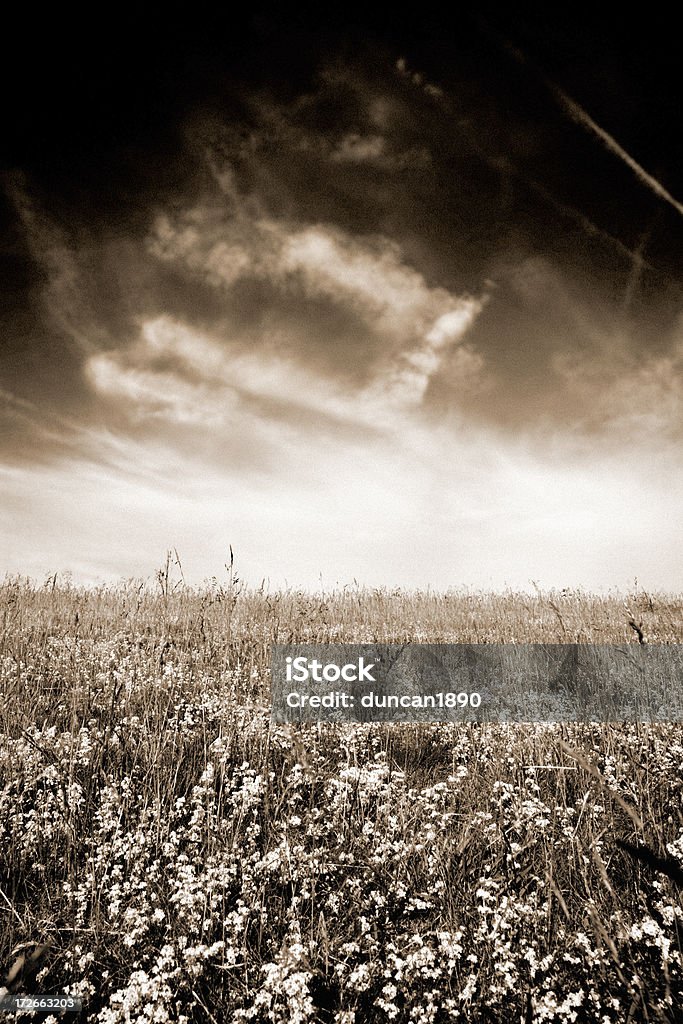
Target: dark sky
[[393, 300]]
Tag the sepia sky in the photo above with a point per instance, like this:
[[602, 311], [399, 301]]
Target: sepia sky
[[398, 303]]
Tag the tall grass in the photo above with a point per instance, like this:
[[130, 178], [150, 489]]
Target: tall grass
[[188, 860]]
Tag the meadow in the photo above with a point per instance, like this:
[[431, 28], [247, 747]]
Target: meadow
[[169, 854]]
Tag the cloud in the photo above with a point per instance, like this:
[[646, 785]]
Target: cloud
[[48, 245], [443, 511], [371, 275], [562, 368], [409, 377], [418, 79], [631, 398], [410, 326], [373, 151], [175, 375], [280, 302], [356, 148]]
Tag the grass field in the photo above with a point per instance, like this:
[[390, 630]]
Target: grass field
[[169, 854]]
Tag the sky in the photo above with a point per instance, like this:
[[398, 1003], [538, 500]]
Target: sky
[[394, 303]]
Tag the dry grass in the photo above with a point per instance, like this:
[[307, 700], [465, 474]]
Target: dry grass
[[187, 860]]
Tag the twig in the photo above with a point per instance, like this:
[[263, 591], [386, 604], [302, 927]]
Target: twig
[[638, 627]]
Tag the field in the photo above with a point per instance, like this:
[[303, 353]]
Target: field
[[168, 854]]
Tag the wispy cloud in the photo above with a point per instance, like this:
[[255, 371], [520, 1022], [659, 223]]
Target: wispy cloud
[[449, 509], [418, 79], [48, 245], [410, 326], [357, 148], [644, 400]]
